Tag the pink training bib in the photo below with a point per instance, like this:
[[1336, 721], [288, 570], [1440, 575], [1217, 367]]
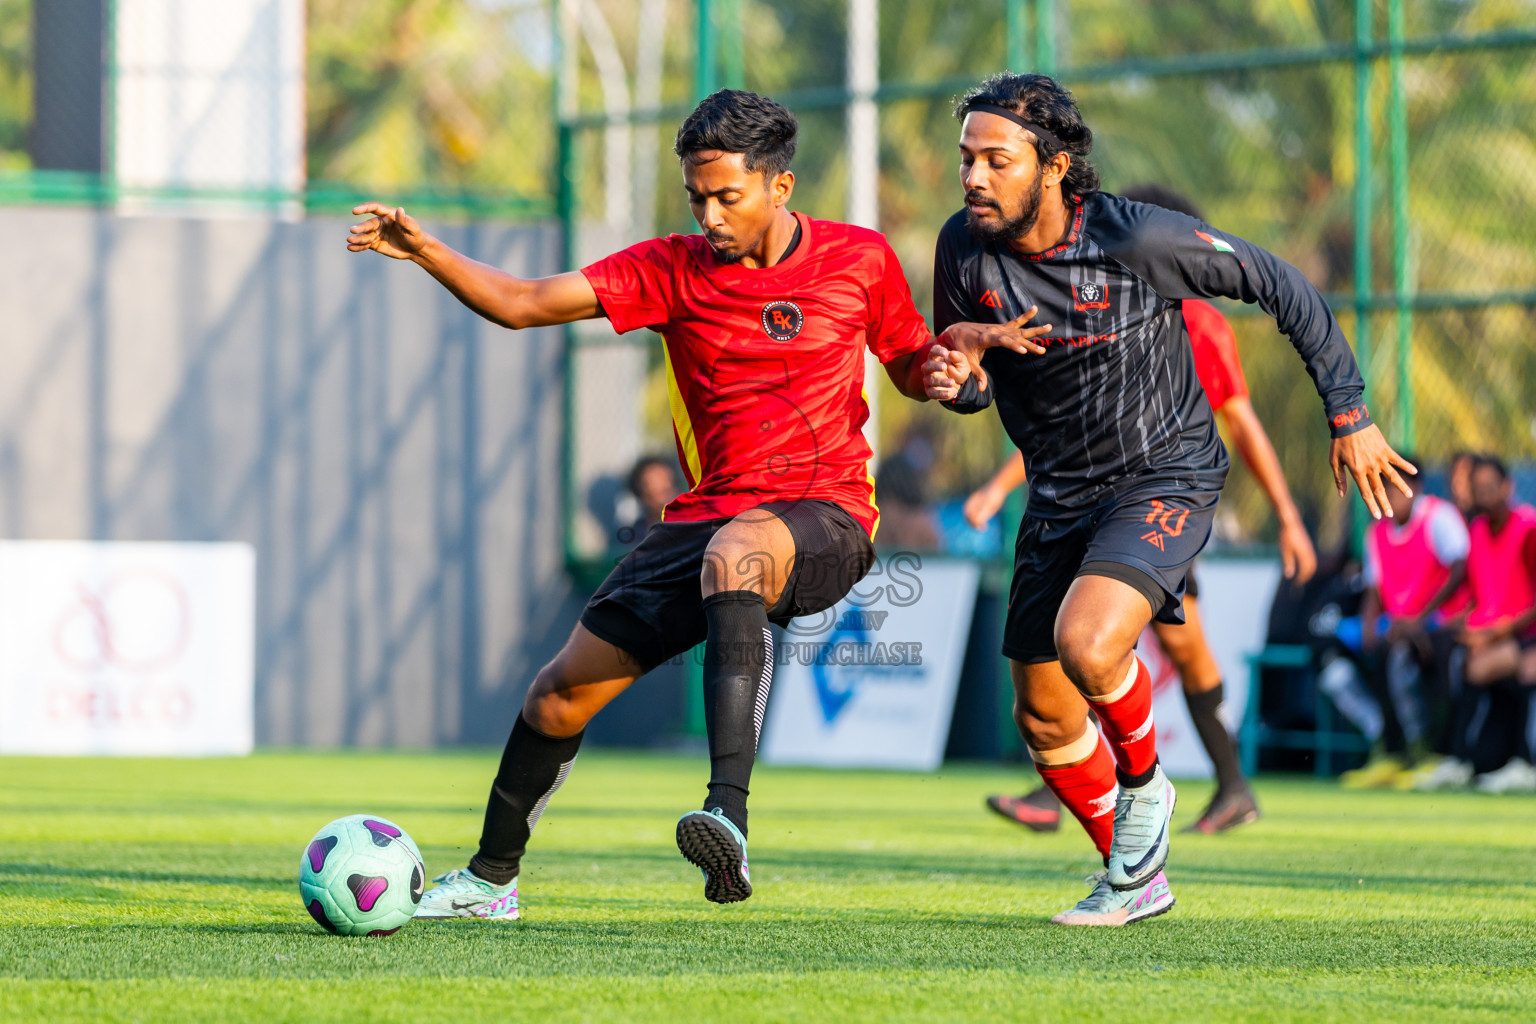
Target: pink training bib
[[1411, 573], [1501, 586]]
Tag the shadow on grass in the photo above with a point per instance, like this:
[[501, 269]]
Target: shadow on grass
[[24, 873], [652, 863], [858, 867], [725, 943]]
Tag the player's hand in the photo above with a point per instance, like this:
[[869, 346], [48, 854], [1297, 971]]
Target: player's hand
[[983, 504], [974, 339], [943, 373], [1298, 558], [1477, 639], [1403, 629], [1369, 639], [1373, 463], [390, 231]]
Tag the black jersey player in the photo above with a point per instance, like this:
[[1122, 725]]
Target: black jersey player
[[1125, 464]]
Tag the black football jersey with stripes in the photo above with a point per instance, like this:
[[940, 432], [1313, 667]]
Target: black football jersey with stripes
[[1114, 402]]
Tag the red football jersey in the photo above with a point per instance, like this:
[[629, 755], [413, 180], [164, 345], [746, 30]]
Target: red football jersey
[[765, 367], [1216, 363]]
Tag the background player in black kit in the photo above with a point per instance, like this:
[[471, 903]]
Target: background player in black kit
[[1125, 464]]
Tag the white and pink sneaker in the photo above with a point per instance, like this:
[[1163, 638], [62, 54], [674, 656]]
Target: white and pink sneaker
[[462, 893], [1112, 907]]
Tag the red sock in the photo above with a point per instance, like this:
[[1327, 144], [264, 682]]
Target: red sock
[[1088, 791], [1126, 719]]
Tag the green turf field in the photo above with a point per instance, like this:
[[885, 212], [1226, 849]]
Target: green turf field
[[165, 891]]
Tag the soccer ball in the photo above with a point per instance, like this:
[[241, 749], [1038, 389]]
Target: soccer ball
[[361, 875]]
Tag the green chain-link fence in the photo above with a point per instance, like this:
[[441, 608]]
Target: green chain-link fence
[[1264, 111]]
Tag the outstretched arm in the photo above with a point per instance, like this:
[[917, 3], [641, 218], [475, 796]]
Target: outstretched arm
[[1183, 258], [494, 294], [1297, 556], [906, 372], [985, 500]]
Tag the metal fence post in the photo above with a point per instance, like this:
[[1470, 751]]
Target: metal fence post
[[705, 81], [1013, 27], [1364, 39], [733, 43], [564, 103], [1402, 278], [1045, 36], [706, 72]]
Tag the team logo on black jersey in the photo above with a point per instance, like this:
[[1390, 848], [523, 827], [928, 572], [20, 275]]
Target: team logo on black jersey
[[1090, 296], [782, 320]]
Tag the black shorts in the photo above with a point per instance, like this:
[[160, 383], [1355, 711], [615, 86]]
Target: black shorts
[[1191, 583], [1147, 539], [651, 605]]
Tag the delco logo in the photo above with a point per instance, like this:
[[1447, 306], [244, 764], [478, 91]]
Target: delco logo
[[1350, 418]]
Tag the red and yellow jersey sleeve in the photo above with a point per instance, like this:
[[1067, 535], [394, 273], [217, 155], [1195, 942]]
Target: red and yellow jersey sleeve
[[1215, 348], [765, 366], [637, 285], [896, 328]]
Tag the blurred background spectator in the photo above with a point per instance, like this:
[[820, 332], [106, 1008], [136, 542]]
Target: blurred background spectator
[[907, 520], [1437, 669], [653, 482]]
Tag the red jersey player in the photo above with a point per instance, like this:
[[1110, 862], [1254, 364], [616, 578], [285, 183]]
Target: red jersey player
[[1221, 377], [766, 316]]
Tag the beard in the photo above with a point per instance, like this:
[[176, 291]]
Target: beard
[[732, 256], [1002, 228], [725, 256]]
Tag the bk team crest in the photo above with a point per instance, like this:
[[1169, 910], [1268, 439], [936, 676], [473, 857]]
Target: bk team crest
[[782, 320]]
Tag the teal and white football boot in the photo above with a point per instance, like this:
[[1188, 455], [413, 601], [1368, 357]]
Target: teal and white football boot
[[1142, 820], [461, 893], [714, 845], [1111, 907]]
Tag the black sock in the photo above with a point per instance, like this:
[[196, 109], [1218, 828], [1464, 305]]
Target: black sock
[[1042, 798], [1520, 723], [1469, 701], [533, 766], [1128, 781], [1218, 742], [1373, 669], [738, 669]]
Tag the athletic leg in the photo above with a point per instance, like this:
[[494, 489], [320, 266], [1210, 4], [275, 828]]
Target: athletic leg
[[1526, 676], [644, 613], [1049, 712], [1186, 646], [1489, 663], [1461, 706], [586, 674], [580, 681], [1076, 765], [744, 574], [1052, 717], [1191, 655], [1135, 568], [771, 564], [1096, 631], [1339, 677]]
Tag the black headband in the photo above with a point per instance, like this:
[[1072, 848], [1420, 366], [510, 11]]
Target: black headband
[[1018, 119]]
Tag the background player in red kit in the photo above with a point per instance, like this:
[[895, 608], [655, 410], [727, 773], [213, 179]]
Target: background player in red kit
[[1221, 378], [766, 316]]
